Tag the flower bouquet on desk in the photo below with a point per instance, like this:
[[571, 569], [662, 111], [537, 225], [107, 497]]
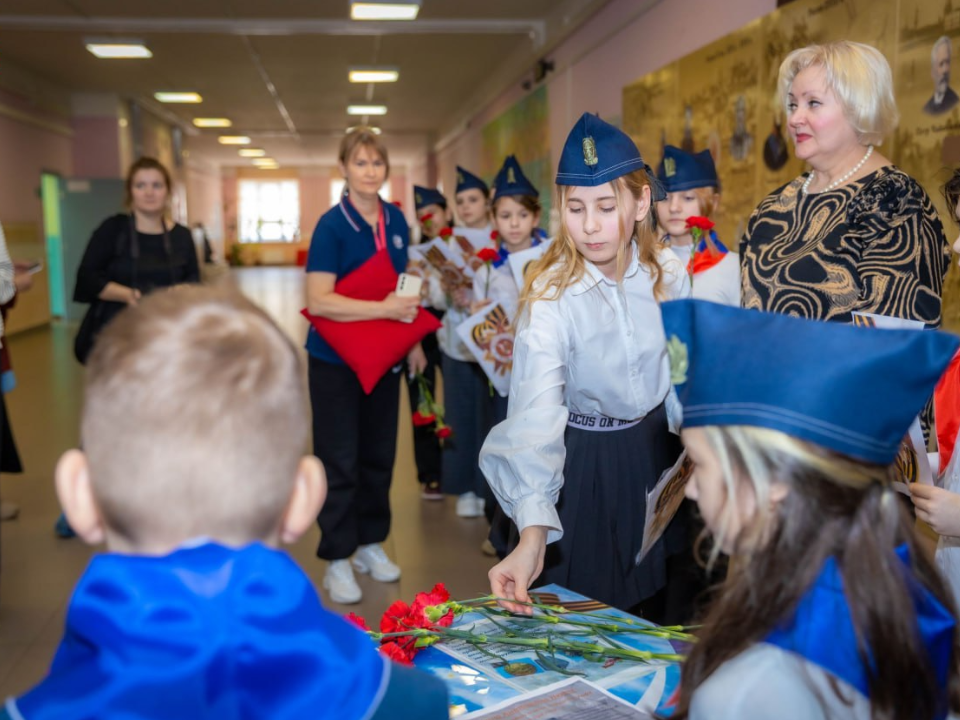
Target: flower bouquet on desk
[[487, 655]]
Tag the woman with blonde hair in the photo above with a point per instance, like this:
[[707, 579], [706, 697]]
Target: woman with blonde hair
[[831, 609], [854, 233], [587, 431]]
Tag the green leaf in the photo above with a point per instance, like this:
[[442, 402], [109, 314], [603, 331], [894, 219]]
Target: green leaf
[[679, 362], [552, 666]]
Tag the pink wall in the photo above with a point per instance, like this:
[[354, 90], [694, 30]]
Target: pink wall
[[611, 50], [27, 150], [96, 147]]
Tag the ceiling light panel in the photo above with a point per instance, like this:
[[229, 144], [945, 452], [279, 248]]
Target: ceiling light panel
[[373, 74], [233, 140], [368, 10], [366, 110], [178, 97], [252, 152], [118, 50], [212, 122]]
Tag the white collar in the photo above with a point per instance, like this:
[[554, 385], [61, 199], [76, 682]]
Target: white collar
[[593, 276]]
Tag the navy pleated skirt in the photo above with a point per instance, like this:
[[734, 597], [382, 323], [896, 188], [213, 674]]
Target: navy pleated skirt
[[607, 476]]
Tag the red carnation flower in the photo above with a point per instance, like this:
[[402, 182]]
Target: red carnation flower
[[444, 432], [398, 204], [426, 217], [423, 419], [446, 232], [358, 621], [396, 618], [488, 255], [701, 223], [401, 655], [494, 235]]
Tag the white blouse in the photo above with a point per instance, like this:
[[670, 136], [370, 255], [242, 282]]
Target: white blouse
[[720, 283], [599, 349]]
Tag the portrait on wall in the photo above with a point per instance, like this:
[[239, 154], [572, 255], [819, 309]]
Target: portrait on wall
[[944, 98]]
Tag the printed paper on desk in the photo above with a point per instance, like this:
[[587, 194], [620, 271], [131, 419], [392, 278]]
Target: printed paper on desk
[[449, 263], [520, 261], [573, 699], [663, 502], [488, 335]]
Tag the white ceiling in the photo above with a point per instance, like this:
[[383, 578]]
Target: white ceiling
[[278, 68]]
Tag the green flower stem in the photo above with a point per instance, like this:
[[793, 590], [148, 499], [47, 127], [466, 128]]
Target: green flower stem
[[610, 627], [548, 644], [671, 632]]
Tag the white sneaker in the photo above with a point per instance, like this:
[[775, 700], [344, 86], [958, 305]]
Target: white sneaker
[[341, 584], [469, 505], [372, 559]]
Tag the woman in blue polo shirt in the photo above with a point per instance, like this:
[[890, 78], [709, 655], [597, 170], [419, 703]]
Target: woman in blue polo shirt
[[355, 434]]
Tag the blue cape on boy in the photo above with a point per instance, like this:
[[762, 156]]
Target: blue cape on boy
[[215, 632]]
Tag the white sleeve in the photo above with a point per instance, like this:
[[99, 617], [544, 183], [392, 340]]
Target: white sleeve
[[523, 456], [501, 289], [7, 286]]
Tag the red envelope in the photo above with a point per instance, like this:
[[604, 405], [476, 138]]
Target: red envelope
[[371, 347]]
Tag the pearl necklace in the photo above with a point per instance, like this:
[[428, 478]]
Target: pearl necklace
[[838, 181]]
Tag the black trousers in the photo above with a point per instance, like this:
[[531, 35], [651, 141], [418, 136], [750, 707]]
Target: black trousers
[[426, 446], [355, 436]]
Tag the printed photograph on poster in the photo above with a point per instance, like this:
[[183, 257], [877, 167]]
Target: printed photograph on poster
[[521, 260], [449, 263], [572, 699], [488, 334], [471, 241], [663, 502]]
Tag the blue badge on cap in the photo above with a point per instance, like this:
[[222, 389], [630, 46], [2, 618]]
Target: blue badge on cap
[[510, 180], [466, 180], [680, 170], [596, 152], [427, 196], [851, 389]]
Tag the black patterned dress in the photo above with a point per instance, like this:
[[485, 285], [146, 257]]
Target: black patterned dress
[[875, 245]]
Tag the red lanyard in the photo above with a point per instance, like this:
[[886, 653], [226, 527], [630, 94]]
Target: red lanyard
[[380, 235]]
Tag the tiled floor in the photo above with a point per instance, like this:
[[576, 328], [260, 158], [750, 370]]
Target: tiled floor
[[431, 543]]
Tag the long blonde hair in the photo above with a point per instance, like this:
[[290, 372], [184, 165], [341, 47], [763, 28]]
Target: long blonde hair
[[562, 265]]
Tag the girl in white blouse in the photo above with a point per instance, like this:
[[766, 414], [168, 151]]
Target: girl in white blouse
[[587, 433]]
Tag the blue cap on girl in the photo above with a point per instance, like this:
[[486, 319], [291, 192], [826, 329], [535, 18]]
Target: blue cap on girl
[[860, 401], [423, 196], [466, 180], [596, 152], [680, 170], [510, 180]]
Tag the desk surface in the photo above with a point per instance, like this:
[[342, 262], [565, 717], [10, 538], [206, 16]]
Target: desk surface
[[477, 680]]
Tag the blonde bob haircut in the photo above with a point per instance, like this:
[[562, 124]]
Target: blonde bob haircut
[[562, 265], [367, 138], [859, 75]]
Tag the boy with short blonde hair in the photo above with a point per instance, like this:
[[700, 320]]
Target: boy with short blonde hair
[[193, 471]]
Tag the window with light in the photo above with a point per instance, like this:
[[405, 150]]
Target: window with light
[[269, 211]]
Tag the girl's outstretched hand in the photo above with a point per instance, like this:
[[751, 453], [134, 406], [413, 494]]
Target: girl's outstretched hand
[[938, 508], [511, 578]]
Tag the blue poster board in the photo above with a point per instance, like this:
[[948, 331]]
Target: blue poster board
[[478, 680]]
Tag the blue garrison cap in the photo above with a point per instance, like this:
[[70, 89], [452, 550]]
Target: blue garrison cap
[[466, 180], [427, 196], [680, 170], [596, 152], [855, 390], [510, 180]]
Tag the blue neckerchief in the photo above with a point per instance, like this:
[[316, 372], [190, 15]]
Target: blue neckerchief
[[821, 630], [503, 253], [205, 632], [721, 248]]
